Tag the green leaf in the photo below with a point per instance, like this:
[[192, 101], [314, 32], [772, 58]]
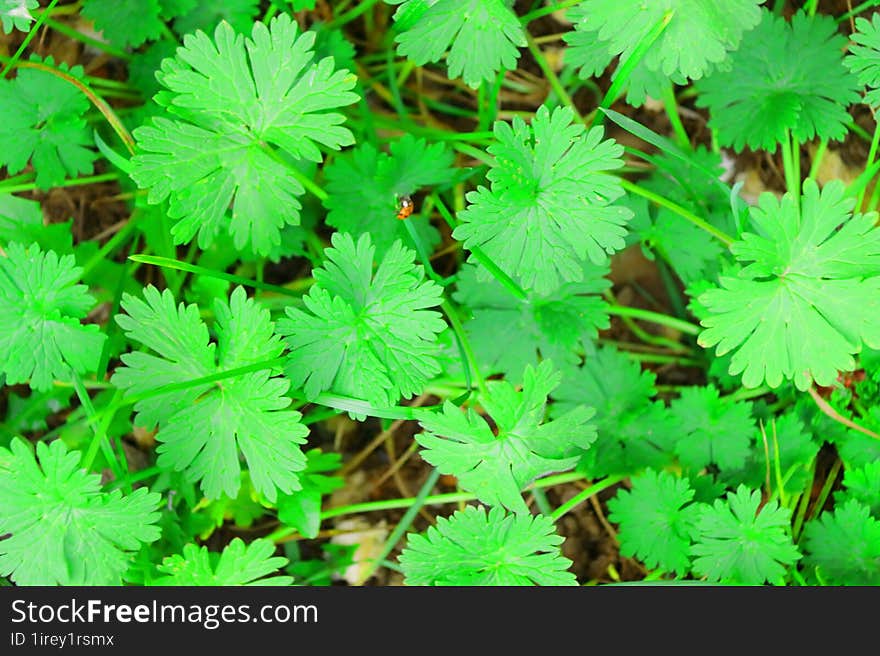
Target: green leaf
[[365, 334], [16, 14], [365, 185], [21, 220], [738, 543], [863, 485], [473, 548], [64, 529], [302, 509], [203, 429], [713, 431], [633, 431], [233, 101], [125, 22], [784, 77], [844, 545], [237, 564], [206, 15], [41, 336], [809, 298], [496, 467], [481, 36], [507, 333], [622, 24], [864, 57], [549, 207], [41, 121], [656, 520]]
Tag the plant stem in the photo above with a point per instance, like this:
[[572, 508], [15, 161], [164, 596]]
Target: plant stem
[[74, 182], [550, 9], [351, 14], [222, 275], [578, 499], [671, 106], [44, 16], [626, 68], [401, 527], [858, 9], [723, 237], [433, 500], [685, 327], [99, 103], [76, 35], [551, 76]]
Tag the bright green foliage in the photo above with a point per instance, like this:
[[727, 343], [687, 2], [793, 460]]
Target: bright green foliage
[[694, 185], [864, 57], [41, 120], [549, 206], [665, 232], [172, 8], [473, 548], [656, 520], [790, 448], [844, 545], [364, 186], [299, 5], [237, 564], [785, 76], [125, 22], [208, 14], [608, 28], [365, 334], [713, 431], [65, 530], [481, 36], [863, 485], [507, 333], [738, 543], [233, 100], [21, 220], [41, 304], [302, 509], [204, 427], [496, 467], [810, 296], [633, 431], [16, 14]]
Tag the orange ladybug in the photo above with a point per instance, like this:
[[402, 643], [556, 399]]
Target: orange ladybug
[[406, 208]]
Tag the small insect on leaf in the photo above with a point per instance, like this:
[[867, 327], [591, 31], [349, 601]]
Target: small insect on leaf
[[406, 208]]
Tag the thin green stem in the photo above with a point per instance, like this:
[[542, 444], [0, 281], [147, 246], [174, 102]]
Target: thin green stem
[[811, 6], [662, 201], [99, 103], [404, 523], [549, 9], [671, 106], [817, 162], [76, 35], [351, 14], [872, 155], [680, 325], [827, 486], [74, 182], [584, 495], [858, 9], [43, 17], [433, 500], [469, 361], [626, 68], [301, 177], [166, 262], [506, 281], [551, 77]]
